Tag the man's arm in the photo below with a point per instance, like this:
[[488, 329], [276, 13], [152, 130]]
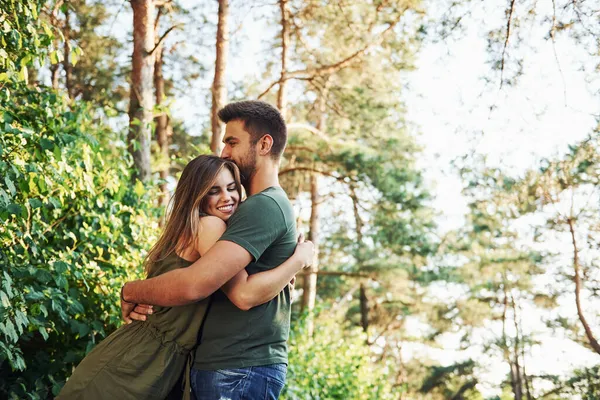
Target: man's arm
[[196, 282]]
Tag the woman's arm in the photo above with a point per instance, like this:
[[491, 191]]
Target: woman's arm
[[247, 291]]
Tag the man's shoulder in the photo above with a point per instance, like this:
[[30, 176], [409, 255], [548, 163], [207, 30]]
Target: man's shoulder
[[273, 197]]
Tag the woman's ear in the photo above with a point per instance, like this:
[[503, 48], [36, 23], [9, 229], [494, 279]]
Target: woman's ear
[[266, 143]]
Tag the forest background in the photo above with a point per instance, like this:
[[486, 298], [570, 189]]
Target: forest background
[[443, 157]]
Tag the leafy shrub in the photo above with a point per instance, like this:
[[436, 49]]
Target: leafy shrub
[[333, 364], [72, 229]]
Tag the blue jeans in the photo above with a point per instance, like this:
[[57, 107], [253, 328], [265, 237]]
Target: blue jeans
[[249, 383]]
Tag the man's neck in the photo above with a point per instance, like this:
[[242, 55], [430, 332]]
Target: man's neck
[[266, 176]]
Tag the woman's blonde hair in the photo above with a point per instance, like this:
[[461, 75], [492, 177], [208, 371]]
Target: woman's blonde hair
[[188, 204]]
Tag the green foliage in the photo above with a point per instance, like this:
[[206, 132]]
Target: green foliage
[[584, 383], [23, 37], [334, 364], [452, 382], [72, 230]]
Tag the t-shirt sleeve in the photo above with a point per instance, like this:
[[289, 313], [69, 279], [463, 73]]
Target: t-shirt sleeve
[[257, 224]]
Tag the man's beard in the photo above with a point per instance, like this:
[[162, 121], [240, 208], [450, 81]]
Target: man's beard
[[247, 167]]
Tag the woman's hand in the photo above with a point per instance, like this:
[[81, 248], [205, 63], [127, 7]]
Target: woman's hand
[[305, 251]]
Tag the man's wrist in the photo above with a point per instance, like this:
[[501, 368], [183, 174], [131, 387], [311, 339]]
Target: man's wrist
[[123, 295]]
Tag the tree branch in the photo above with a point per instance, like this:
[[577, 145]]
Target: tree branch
[[163, 37], [325, 173], [508, 23], [309, 73], [337, 273]]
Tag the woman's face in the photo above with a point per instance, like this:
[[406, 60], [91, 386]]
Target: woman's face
[[222, 198]]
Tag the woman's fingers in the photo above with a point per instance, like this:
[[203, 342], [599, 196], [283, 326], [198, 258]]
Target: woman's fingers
[[144, 309], [137, 316], [301, 238]]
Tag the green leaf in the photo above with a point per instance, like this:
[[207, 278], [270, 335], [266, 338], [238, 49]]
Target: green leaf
[[35, 203], [24, 75], [60, 267], [14, 209], [138, 189], [10, 185], [21, 320], [43, 276], [55, 202], [9, 330], [4, 299], [46, 144], [43, 332]]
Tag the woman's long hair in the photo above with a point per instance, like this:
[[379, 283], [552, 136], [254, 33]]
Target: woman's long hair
[[188, 204]]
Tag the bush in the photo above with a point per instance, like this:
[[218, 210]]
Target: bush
[[333, 364], [73, 229]]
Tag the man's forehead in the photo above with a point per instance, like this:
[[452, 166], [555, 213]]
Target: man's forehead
[[235, 130]]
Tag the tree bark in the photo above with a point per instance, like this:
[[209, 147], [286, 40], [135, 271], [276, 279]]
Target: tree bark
[[285, 39], [161, 127], [526, 379], [219, 88], [67, 49], [309, 294], [141, 99], [54, 76], [364, 308], [588, 331], [518, 376], [505, 350]]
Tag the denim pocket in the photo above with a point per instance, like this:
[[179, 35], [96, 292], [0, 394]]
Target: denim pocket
[[239, 373], [274, 388]]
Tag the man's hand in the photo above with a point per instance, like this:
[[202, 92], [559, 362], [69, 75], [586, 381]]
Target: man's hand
[[132, 311]]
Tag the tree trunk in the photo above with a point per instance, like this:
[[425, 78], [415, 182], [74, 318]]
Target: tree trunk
[[505, 350], [161, 126], [518, 375], [364, 308], [285, 39], [309, 294], [526, 379], [67, 48], [219, 88], [586, 327], [141, 99], [54, 76]]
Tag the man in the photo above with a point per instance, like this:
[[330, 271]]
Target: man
[[241, 354]]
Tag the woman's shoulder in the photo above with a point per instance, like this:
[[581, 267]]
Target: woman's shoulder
[[210, 223]]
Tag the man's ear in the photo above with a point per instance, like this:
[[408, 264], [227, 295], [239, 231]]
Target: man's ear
[[266, 143]]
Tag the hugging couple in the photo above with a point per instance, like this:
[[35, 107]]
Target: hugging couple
[[213, 317]]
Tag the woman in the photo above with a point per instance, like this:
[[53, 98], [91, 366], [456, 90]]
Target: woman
[[144, 360]]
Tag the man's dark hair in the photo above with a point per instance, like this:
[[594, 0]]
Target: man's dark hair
[[259, 119]]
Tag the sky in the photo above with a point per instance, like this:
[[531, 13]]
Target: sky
[[448, 106], [449, 102]]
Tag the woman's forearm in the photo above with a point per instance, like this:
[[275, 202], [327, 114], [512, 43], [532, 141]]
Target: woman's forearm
[[247, 291]]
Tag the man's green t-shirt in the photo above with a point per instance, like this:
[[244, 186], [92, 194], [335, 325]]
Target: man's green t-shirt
[[265, 226]]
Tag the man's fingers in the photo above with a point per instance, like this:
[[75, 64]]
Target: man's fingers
[[301, 238]]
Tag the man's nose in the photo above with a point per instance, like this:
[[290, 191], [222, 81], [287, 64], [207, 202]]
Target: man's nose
[[226, 154]]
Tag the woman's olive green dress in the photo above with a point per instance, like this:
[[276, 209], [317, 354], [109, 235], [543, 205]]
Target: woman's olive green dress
[[142, 360]]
